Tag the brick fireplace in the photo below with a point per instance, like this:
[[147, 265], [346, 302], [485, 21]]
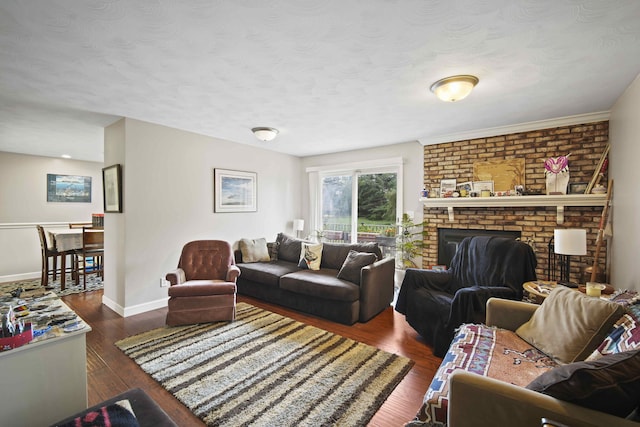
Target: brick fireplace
[[585, 142]]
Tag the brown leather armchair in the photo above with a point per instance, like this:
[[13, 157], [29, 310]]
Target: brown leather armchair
[[203, 287]]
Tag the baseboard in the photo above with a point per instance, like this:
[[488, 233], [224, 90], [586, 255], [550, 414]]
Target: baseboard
[[135, 309], [19, 277]]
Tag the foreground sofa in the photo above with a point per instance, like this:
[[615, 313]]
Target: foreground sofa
[[583, 368], [354, 283]]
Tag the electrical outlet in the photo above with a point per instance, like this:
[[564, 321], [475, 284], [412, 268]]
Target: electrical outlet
[[164, 283]]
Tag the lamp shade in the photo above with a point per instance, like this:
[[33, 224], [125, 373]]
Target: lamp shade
[[265, 133], [570, 241], [298, 224], [454, 88]]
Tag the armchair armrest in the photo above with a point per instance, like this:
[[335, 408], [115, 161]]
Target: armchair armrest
[[376, 287], [176, 276], [507, 314], [416, 278], [232, 273], [497, 403]]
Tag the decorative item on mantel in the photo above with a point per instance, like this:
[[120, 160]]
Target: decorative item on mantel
[[557, 174]]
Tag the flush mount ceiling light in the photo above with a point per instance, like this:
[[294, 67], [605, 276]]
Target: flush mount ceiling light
[[264, 133], [454, 88]]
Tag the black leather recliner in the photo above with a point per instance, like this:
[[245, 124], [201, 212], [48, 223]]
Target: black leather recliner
[[435, 303]]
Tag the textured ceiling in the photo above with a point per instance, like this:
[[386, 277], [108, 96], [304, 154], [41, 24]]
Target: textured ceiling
[[331, 75]]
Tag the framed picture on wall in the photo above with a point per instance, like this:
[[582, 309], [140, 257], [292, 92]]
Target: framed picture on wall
[[112, 188], [235, 191], [68, 188]]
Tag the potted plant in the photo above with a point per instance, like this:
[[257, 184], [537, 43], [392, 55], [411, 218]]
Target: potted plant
[[409, 241]]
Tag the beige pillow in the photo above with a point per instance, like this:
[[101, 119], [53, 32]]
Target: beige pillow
[[569, 325], [254, 250], [310, 256]]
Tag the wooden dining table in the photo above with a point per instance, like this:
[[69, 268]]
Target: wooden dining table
[[66, 240]]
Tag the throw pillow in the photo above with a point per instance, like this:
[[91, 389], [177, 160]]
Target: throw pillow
[[624, 336], [310, 256], [610, 384], [272, 247], [118, 414], [353, 264], [569, 325], [254, 250], [288, 248]]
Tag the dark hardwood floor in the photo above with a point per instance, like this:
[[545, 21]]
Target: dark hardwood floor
[[111, 372]]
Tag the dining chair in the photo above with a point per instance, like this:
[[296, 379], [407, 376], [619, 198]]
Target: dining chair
[[48, 253], [92, 248]]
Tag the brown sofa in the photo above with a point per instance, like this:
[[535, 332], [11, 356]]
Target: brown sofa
[[574, 360], [324, 292]]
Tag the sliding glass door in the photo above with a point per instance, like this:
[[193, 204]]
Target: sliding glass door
[[360, 206]]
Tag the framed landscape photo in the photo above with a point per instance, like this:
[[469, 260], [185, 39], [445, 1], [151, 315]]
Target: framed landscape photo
[[68, 188], [235, 191], [112, 188]]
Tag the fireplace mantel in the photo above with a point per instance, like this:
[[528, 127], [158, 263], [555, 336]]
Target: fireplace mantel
[[559, 201]]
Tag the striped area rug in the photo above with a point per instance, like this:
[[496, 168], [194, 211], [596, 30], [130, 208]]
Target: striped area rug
[[266, 369]]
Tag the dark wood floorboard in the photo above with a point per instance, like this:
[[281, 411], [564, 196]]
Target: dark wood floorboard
[[111, 372]]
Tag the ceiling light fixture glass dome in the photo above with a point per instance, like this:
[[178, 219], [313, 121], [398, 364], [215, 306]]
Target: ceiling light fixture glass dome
[[454, 88]]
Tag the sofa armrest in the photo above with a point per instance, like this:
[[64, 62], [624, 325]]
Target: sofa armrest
[[496, 403], [176, 276], [508, 314], [376, 287], [232, 273]]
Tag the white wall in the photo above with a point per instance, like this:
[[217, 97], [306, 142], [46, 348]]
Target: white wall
[[23, 203], [168, 201], [624, 134]]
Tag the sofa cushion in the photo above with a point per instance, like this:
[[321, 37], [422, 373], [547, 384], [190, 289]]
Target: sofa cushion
[[570, 325], [624, 336], [351, 267], [610, 384], [334, 254], [321, 283], [254, 250], [483, 350], [267, 273], [310, 256], [288, 248]]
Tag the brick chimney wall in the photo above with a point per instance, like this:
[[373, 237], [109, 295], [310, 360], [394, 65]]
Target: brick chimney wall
[[585, 142]]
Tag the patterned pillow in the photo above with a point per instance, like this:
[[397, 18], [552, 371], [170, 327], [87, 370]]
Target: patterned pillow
[[118, 414], [625, 335], [272, 247], [310, 256]]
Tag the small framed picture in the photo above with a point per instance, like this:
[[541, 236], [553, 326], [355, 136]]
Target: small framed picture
[[465, 188], [112, 188], [447, 187], [478, 186], [577, 187], [439, 267]]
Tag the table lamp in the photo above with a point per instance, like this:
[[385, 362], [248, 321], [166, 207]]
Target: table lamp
[[567, 242], [298, 226]]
